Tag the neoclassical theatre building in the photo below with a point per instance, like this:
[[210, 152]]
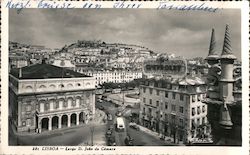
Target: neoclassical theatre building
[[44, 97]]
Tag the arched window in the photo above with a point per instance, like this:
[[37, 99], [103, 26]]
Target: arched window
[[42, 87], [28, 88], [52, 86], [69, 85]]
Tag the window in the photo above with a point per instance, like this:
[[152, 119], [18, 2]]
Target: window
[[144, 100], [150, 111], [181, 109], [144, 90], [193, 123], [181, 122], [198, 110], [173, 95], [73, 104], [65, 104], [203, 120], [166, 105], [47, 106], [166, 94], [28, 108], [157, 92], [28, 122], [173, 119], [198, 121], [181, 97], [150, 101], [199, 97], [56, 105], [193, 98], [144, 110], [193, 111], [166, 117], [203, 108], [157, 103], [173, 107], [150, 90]]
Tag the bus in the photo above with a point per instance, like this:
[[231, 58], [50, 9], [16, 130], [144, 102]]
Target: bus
[[120, 126], [116, 91]]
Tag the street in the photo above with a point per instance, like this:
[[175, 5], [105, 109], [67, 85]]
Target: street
[[140, 138], [81, 135]]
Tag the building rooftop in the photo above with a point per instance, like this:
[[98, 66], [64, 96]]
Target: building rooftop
[[44, 71]]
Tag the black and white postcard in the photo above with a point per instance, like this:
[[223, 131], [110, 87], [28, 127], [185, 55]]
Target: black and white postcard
[[124, 77]]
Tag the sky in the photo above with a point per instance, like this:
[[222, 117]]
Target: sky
[[184, 33]]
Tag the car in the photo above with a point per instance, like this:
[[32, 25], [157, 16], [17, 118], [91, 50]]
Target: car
[[110, 117], [111, 141], [108, 133], [118, 114], [134, 126], [101, 107], [129, 141], [129, 106], [111, 127]]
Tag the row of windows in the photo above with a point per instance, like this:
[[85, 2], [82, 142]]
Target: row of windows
[[199, 110], [56, 105], [181, 96], [199, 121], [52, 86], [113, 74], [168, 118], [104, 78], [173, 107]]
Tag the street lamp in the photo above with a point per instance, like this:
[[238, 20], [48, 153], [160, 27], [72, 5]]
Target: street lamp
[[92, 130]]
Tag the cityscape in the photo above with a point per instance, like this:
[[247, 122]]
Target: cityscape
[[97, 92]]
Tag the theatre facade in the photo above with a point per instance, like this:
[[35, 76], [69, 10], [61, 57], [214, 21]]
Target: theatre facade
[[44, 97]]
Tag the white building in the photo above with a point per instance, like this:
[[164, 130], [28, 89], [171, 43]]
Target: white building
[[115, 76], [45, 97], [174, 108]]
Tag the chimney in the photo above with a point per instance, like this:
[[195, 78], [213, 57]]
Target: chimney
[[20, 72]]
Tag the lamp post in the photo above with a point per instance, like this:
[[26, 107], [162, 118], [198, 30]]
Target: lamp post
[[92, 130]]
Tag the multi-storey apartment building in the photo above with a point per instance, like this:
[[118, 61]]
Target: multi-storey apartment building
[[115, 76], [46, 97], [174, 108]]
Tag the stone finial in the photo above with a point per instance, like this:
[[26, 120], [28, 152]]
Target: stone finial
[[212, 44], [212, 55], [227, 48]]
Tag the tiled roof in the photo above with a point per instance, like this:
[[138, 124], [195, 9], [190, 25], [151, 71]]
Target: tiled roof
[[44, 71]]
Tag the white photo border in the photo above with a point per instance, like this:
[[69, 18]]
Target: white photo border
[[194, 150]]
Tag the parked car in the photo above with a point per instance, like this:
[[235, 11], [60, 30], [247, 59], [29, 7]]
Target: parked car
[[118, 114], [108, 133], [101, 107], [110, 117], [129, 141], [134, 126], [129, 106], [111, 141], [111, 127]]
